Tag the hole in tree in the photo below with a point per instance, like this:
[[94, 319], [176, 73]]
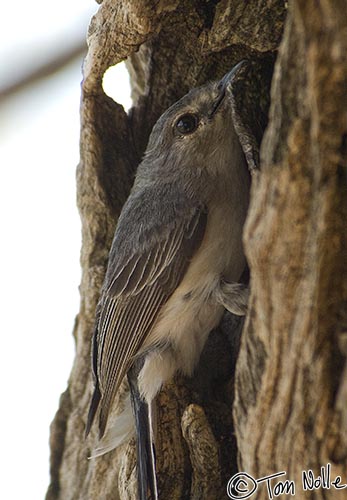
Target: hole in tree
[[116, 84]]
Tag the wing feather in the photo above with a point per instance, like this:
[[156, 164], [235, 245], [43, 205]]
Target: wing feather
[[115, 368], [136, 289]]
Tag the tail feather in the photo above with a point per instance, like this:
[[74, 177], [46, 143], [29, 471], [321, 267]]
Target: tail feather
[[119, 431], [144, 444], [153, 488], [137, 412]]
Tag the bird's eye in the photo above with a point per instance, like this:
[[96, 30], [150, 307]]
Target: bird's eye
[[186, 124]]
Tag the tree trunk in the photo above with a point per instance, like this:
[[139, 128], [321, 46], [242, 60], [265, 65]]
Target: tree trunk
[[290, 411], [291, 381]]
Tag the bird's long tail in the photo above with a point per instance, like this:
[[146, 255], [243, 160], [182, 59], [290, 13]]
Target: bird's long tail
[[137, 417], [145, 440]]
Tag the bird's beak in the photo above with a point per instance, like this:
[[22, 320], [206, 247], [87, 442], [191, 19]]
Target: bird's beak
[[227, 79], [225, 84]]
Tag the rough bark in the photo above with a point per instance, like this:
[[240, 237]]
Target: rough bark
[[291, 389], [291, 376]]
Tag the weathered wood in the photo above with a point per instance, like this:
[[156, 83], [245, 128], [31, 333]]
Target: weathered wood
[[290, 406]]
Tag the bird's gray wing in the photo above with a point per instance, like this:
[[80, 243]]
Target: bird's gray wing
[[132, 296]]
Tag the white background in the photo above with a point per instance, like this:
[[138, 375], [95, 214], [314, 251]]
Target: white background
[[40, 233]]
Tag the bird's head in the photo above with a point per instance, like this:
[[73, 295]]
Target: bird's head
[[195, 138]]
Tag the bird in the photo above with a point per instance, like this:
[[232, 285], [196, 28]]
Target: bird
[[174, 266]]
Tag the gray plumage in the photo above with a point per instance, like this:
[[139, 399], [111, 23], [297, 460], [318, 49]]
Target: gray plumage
[[177, 252]]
